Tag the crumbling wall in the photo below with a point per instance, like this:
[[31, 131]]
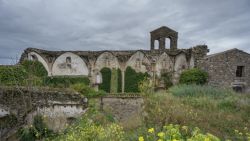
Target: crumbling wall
[[24, 103]]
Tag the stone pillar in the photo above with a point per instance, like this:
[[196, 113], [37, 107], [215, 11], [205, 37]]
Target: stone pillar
[[162, 43], [152, 44], [123, 80]]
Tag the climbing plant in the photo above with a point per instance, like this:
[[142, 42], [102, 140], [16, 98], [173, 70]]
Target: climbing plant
[[132, 79], [106, 78]]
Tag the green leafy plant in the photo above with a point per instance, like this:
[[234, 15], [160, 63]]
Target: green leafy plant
[[87, 91], [193, 76]]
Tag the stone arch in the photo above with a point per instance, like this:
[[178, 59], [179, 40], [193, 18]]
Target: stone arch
[[108, 60], [139, 62], [69, 64], [164, 64], [36, 56]]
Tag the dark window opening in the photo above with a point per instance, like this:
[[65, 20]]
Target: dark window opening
[[68, 62], [238, 89], [240, 71]]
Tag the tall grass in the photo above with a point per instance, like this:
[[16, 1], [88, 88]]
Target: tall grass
[[199, 91]]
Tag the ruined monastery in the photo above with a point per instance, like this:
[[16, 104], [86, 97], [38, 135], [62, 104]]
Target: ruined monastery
[[226, 69]]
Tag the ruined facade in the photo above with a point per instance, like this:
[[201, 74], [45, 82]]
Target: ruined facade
[[221, 67], [153, 61]]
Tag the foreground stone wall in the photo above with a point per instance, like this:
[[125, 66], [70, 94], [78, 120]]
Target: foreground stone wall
[[127, 110], [58, 105]]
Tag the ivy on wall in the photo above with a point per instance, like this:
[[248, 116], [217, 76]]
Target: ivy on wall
[[106, 79], [132, 79]]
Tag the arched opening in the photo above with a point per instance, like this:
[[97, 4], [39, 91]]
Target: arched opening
[[167, 42], [106, 79], [156, 44]]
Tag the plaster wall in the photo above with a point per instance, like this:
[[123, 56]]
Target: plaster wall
[[75, 67]]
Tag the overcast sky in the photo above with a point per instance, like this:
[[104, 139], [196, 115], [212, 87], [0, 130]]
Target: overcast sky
[[120, 24]]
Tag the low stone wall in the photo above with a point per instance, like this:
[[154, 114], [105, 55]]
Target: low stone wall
[[59, 106], [127, 110]]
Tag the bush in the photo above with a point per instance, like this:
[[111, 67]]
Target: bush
[[87, 91], [193, 76], [13, 75], [65, 81]]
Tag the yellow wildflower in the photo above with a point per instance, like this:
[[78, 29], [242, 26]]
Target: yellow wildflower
[[141, 138], [151, 130], [207, 139], [161, 134], [159, 140]]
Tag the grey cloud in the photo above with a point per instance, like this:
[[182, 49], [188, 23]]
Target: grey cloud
[[119, 24]]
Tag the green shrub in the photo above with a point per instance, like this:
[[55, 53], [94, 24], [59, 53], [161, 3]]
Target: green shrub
[[198, 90], [106, 80], [87, 91], [35, 68], [65, 81], [132, 80], [13, 75], [193, 76]]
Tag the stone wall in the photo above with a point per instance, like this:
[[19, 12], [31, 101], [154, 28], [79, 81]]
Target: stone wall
[[24, 103], [222, 67], [126, 109]]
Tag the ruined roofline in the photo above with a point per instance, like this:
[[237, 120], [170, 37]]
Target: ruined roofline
[[223, 52], [99, 51]]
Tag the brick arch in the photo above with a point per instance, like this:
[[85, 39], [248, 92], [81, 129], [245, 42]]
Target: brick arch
[[40, 59], [69, 63]]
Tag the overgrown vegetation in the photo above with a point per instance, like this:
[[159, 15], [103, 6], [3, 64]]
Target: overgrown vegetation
[[33, 73], [36, 131], [106, 79], [172, 116], [193, 76], [87, 91], [65, 81], [132, 80]]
